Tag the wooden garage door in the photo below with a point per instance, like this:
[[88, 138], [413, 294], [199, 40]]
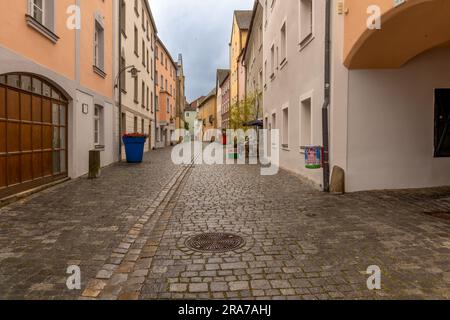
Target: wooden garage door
[[33, 133]]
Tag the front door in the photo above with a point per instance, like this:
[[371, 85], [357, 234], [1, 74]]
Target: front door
[[33, 133]]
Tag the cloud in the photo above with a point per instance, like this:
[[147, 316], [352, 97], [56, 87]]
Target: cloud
[[200, 30]]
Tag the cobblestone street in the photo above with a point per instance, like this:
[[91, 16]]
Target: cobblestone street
[[127, 231]]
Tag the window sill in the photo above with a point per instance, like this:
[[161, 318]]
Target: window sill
[[136, 54], [136, 102], [124, 34], [272, 76], [306, 41], [100, 147], [285, 148], [49, 34], [136, 11], [99, 71], [283, 63]]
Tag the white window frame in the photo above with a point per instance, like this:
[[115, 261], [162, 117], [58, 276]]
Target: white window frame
[[98, 125], [305, 40], [33, 5], [307, 96], [285, 141]]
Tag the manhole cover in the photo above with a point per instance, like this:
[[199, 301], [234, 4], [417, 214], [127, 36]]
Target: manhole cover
[[440, 215], [215, 242]]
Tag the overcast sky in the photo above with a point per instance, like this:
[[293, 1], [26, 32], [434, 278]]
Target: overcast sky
[[200, 30]]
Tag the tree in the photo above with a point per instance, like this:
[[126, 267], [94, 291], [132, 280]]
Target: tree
[[243, 112]]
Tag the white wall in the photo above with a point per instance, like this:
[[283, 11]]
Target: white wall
[[391, 125], [302, 76]]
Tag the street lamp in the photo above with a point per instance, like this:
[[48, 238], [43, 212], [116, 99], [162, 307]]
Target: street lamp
[[118, 84]]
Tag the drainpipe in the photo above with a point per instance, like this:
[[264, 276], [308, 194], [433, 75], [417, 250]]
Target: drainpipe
[[327, 96], [120, 80]]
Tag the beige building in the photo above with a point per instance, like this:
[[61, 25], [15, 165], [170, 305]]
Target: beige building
[[138, 34], [241, 24], [206, 115], [221, 75], [253, 61], [180, 94]]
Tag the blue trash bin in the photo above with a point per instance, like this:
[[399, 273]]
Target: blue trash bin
[[134, 148]]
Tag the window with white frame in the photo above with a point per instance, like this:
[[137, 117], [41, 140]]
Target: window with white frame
[[283, 43], [37, 10], [285, 134], [98, 125], [41, 17], [306, 20], [99, 44], [305, 122], [272, 61]]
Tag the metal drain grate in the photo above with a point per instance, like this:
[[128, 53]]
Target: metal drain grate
[[440, 215], [215, 242]]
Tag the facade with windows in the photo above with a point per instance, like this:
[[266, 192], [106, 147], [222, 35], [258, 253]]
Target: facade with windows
[[293, 73], [225, 100], [389, 112], [206, 117], [56, 90], [253, 62], [138, 33], [221, 75], [241, 24], [166, 90]]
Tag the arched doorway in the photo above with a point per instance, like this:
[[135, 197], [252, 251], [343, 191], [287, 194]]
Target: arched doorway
[[33, 133]]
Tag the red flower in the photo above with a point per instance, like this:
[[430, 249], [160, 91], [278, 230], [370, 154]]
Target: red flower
[[135, 135]]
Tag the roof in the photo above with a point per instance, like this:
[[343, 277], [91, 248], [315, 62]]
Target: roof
[[222, 75], [158, 40], [243, 18], [149, 10], [209, 96]]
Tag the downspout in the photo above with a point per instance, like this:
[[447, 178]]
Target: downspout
[[327, 99], [120, 80]]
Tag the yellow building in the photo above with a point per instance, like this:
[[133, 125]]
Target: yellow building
[[241, 24], [206, 115]]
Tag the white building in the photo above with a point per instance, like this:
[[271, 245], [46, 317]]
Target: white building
[[390, 90], [138, 36]]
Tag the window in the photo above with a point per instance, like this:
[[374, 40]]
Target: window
[[156, 78], [151, 101], [272, 61], [306, 21], [123, 75], [285, 134], [162, 82], [99, 46], [143, 94], [124, 123], [283, 44], [148, 62], [41, 17], [123, 17], [442, 123], [143, 53], [168, 105], [135, 124], [98, 125], [143, 126], [136, 41], [136, 90], [148, 99], [37, 10], [305, 123], [274, 121], [156, 103]]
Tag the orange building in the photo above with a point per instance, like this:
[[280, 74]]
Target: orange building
[[56, 89], [165, 80]]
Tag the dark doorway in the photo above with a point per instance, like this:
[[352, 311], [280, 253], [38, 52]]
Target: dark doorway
[[442, 123]]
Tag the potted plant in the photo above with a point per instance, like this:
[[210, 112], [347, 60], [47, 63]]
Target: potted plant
[[134, 146]]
